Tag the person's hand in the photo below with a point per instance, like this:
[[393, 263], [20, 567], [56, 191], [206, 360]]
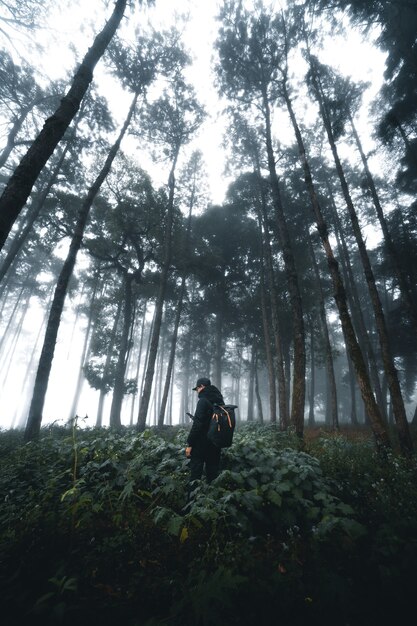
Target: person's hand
[[188, 452]]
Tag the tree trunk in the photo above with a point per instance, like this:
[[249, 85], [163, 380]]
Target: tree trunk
[[406, 442], [32, 216], [353, 409], [251, 386], [20, 184], [119, 379], [171, 396], [258, 395], [331, 380], [28, 373], [9, 356], [364, 339], [389, 244], [218, 348], [84, 355], [270, 274], [3, 340], [311, 419], [171, 359], [160, 369], [185, 406], [138, 360], [268, 351], [150, 370], [47, 355], [103, 390], [377, 423], [299, 367], [17, 125], [237, 379]]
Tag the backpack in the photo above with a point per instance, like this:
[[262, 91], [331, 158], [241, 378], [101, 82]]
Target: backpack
[[222, 425]]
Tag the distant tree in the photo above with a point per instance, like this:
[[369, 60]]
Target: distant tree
[[246, 144], [99, 368], [124, 237], [191, 184], [172, 121], [251, 49], [45, 362], [143, 76], [94, 287]]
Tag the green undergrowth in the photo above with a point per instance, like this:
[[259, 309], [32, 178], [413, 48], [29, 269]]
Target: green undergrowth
[[96, 526]]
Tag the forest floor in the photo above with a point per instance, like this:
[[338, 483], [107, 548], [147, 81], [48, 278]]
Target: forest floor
[[96, 527]]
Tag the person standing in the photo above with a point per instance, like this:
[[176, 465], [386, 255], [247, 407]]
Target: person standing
[[201, 452]]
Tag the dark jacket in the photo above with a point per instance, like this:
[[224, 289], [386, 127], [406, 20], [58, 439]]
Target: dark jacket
[[197, 437]]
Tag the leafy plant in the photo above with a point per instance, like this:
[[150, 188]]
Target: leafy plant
[[96, 525]]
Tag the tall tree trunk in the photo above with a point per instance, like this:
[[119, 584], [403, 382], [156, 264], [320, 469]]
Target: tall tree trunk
[[237, 378], [270, 274], [258, 395], [4, 339], [47, 355], [389, 244], [21, 182], [103, 390], [17, 125], [171, 359], [5, 289], [138, 360], [150, 370], [218, 347], [148, 349], [85, 351], [406, 442], [299, 367], [185, 406], [160, 368], [119, 379], [29, 369], [311, 419], [171, 396], [352, 388], [251, 386], [32, 216], [355, 305], [331, 380], [377, 423], [9, 356], [268, 350]]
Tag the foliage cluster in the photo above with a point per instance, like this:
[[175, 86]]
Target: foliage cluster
[[99, 525]]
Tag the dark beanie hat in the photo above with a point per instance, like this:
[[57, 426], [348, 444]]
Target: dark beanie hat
[[202, 381]]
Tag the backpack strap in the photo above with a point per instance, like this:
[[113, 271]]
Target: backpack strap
[[228, 415]]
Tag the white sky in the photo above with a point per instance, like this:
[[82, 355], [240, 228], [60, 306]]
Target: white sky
[[72, 34]]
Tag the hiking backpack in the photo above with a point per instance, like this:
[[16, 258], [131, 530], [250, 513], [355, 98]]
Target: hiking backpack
[[222, 425]]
